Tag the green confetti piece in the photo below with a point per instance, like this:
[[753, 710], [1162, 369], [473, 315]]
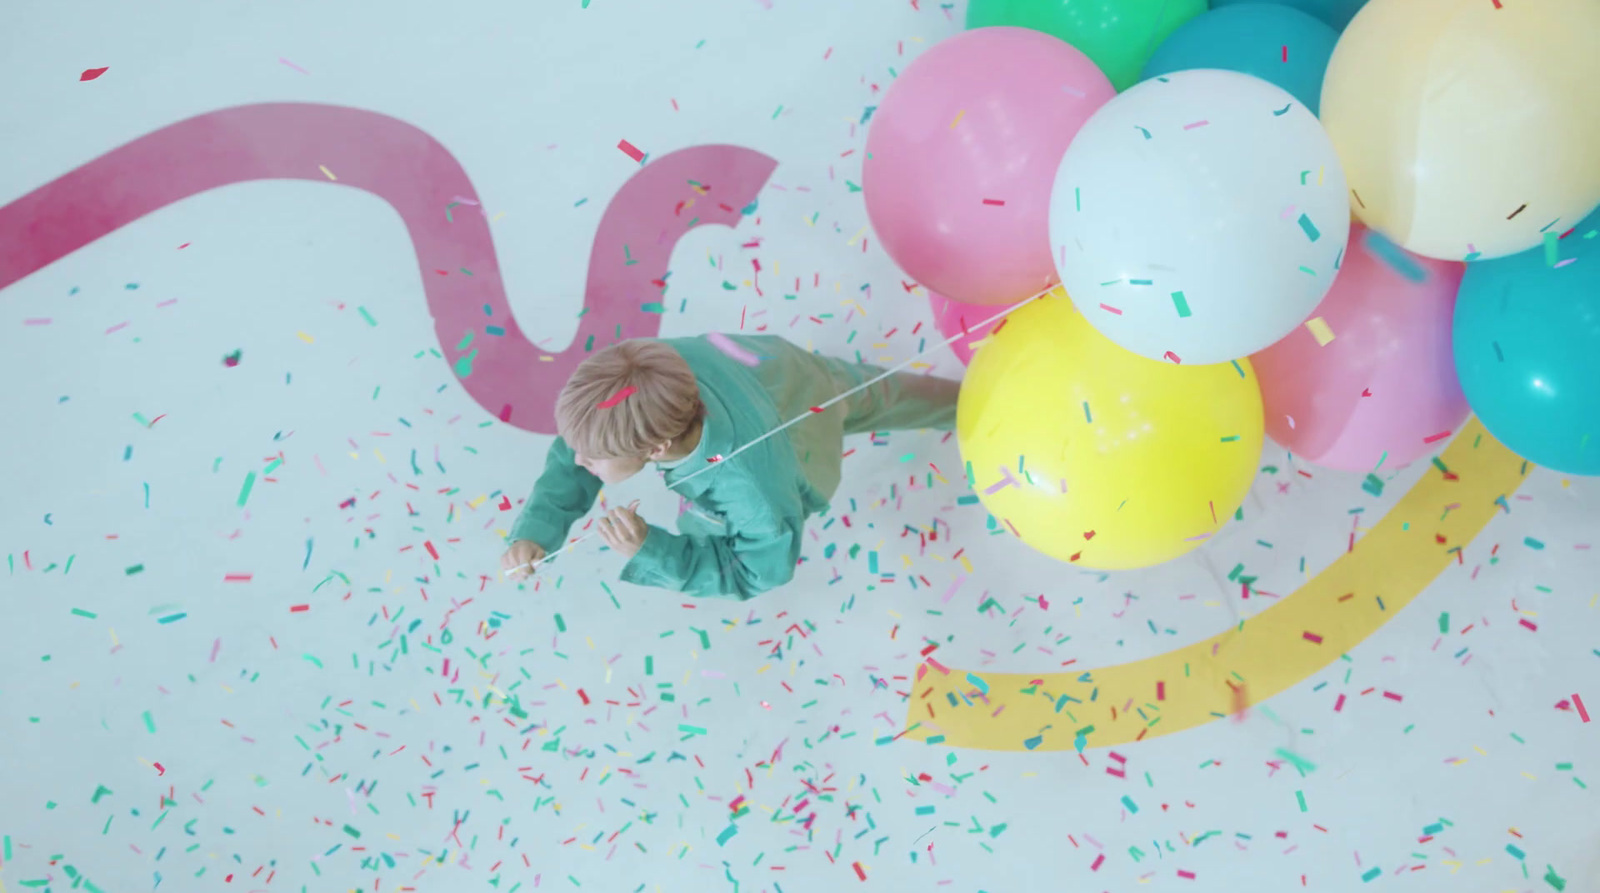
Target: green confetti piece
[[1182, 305], [1532, 543], [149, 722], [1128, 802], [1367, 878], [244, 492], [1298, 761], [82, 613], [170, 618], [1301, 796], [561, 625], [352, 832], [1309, 228], [367, 316], [1444, 622], [653, 307], [134, 570]]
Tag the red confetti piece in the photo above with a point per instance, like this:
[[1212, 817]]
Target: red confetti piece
[[1186, 875], [1583, 713], [630, 150], [160, 770], [994, 201], [816, 409], [1311, 637], [1172, 356], [431, 550], [90, 74], [1529, 624], [1111, 309], [582, 696], [1161, 691], [1391, 696], [1098, 861], [295, 609], [237, 578], [859, 872], [619, 396], [1436, 437]]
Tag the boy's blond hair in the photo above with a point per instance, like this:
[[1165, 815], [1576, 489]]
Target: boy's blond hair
[[664, 405]]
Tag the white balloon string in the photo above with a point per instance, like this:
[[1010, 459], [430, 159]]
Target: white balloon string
[[718, 462]]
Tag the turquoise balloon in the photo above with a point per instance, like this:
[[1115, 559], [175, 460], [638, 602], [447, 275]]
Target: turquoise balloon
[[1336, 14], [1527, 348], [1280, 45]]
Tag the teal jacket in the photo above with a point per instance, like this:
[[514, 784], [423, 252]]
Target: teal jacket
[[742, 537]]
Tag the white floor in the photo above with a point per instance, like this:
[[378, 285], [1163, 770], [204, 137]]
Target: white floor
[[336, 719]]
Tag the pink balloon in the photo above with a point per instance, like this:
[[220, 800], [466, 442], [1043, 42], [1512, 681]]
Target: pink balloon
[[962, 154], [954, 318], [1386, 383]]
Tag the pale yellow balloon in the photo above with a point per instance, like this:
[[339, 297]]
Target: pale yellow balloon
[[1095, 455], [1468, 126]]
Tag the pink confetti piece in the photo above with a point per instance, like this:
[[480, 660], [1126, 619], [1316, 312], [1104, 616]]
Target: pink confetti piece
[[1311, 637], [37, 321], [618, 397], [1583, 713], [1111, 309], [630, 150], [292, 65], [723, 343], [1195, 124], [995, 201], [90, 74]]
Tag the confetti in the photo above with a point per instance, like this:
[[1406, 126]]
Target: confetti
[[1319, 330]]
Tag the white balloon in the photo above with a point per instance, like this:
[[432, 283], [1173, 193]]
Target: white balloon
[[1199, 217]]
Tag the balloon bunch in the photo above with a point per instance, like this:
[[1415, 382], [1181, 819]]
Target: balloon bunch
[[1345, 224]]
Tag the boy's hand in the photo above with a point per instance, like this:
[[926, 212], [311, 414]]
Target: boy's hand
[[521, 554], [623, 530]]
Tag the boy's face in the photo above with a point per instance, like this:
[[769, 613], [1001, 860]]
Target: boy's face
[[612, 471]]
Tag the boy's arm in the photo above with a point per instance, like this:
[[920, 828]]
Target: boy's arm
[[563, 494], [759, 554]]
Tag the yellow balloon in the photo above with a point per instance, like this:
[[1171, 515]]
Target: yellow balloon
[[1093, 454], [1468, 126]]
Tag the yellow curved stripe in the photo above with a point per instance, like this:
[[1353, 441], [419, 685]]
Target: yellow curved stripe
[[1208, 680]]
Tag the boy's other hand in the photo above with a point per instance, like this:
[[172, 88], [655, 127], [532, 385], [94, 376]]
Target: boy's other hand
[[623, 530], [521, 554]]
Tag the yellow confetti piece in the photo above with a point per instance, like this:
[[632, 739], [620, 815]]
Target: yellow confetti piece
[[959, 115], [306, 338], [327, 173], [1319, 330], [853, 239]]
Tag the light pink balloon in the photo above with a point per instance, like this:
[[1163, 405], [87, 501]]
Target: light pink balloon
[[954, 318], [1386, 383], [962, 154]]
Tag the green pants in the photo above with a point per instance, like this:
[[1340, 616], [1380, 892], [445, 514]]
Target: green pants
[[798, 380]]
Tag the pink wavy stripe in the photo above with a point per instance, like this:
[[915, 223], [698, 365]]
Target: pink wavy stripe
[[485, 346]]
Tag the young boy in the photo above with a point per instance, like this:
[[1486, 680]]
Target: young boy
[[687, 402]]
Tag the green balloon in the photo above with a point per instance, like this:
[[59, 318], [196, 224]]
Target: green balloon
[[1120, 36]]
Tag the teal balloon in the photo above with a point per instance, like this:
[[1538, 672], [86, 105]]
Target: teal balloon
[[1336, 14], [1280, 45], [1527, 349]]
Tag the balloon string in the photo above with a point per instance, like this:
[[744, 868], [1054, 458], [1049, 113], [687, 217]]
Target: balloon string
[[719, 462]]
